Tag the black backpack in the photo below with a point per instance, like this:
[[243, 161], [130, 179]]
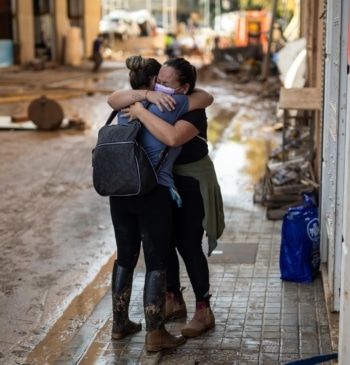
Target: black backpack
[[121, 166]]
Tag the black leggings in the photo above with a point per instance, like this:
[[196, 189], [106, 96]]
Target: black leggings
[[188, 235], [145, 218]]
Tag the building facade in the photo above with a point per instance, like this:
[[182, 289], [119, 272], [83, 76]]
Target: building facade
[[52, 30], [326, 27], [63, 31]]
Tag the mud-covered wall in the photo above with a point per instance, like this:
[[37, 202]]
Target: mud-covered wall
[[24, 20], [25, 27], [61, 28], [92, 16]]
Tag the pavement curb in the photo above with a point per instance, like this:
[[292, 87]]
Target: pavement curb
[[81, 309]]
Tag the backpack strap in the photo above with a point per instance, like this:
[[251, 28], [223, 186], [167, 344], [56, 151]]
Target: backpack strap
[[115, 112], [111, 117]]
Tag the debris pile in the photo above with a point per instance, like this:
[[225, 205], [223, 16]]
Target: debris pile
[[237, 59], [283, 185]]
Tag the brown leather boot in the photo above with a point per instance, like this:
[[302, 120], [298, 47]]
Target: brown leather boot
[[157, 340], [121, 291], [203, 320], [157, 337], [175, 306]]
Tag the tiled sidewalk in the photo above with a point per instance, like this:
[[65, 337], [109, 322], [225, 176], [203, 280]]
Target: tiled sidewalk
[[260, 320]]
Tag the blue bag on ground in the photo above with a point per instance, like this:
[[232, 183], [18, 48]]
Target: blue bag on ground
[[300, 243]]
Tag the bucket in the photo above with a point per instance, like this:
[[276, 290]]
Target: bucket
[[6, 52]]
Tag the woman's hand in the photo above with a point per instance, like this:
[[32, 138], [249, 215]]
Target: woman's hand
[[133, 111], [161, 100]]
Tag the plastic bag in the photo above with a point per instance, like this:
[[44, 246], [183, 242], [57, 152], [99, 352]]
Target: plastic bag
[[300, 243]]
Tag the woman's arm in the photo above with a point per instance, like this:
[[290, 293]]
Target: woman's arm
[[199, 99], [122, 98], [172, 135]]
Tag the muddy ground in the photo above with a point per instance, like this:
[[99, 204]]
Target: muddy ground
[[55, 231]]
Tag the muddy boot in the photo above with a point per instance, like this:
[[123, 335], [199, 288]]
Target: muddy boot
[[157, 337], [121, 291], [203, 320], [175, 306]]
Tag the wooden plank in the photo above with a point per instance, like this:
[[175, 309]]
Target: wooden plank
[[6, 123], [283, 198], [279, 212], [292, 188], [276, 214], [307, 98]]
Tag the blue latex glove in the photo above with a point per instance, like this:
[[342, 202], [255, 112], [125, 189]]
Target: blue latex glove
[[176, 196]]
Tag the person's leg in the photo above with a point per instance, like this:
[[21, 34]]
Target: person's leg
[[97, 58], [155, 217], [155, 225], [126, 228], [157, 337], [173, 272], [128, 245], [175, 306], [94, 59], [99, 61], [188, 233], [189, 244], [121, 292]]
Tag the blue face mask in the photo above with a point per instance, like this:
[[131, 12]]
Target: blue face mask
[[164, 89]]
